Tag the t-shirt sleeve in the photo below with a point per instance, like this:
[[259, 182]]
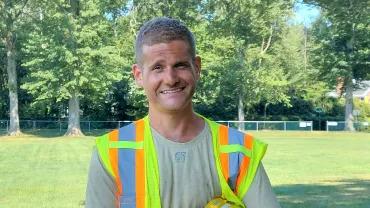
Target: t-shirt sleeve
[[260, 193], [101, 189]]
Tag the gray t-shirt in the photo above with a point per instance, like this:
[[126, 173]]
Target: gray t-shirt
[[188, 177]]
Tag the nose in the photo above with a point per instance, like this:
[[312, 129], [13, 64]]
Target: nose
[[171, 77]]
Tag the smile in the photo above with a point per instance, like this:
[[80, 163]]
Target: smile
[[174, 90]]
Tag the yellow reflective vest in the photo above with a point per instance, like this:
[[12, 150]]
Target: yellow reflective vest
[[129, 155]]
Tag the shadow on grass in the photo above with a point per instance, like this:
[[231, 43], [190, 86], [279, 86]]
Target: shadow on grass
[[351, 193], [52, 133]]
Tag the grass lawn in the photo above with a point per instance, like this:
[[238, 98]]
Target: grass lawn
[[319, 169], [43, 172], [307, 169]]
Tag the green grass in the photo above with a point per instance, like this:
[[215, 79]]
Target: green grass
[[319, 169], [39, 172], [307, 169]]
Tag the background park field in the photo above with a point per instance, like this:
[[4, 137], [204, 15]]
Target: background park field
[[69, 62], [307, 169], [276, 60]]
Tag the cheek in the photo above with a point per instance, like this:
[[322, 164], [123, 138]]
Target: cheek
[[192, 77], [151, 84]]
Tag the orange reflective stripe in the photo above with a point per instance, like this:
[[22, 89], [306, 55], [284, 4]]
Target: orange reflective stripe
[[113, 156], [140, 167], [248, 142], [224, 157]]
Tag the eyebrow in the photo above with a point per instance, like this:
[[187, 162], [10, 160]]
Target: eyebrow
[[177, 63], [186, 63]]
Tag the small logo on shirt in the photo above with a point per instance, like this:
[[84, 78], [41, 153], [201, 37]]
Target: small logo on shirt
[[180, 156]]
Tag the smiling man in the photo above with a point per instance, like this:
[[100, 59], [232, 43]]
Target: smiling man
[[175, 157]]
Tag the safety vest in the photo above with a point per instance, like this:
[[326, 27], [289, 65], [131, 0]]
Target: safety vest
[[129, 155]]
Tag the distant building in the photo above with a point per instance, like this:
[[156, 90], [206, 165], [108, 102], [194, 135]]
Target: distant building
[[362, 92]]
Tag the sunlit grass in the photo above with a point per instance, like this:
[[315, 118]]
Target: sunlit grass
[[307, 169], [39, 172], [319, 169]]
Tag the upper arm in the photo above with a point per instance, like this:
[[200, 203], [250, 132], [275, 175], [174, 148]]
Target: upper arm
[[260, 193], [101, 189]]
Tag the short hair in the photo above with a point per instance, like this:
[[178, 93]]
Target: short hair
[[163, 30]]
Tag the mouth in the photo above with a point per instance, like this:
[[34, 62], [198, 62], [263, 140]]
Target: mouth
[[172, 90]]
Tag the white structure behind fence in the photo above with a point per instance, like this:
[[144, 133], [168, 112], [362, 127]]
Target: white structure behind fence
[[270, 125], [340, 126]]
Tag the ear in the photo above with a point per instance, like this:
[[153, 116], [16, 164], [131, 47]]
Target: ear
[[138, 74], [198, 66]]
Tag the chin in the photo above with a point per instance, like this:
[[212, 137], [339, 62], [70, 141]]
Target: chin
[[175, 107]]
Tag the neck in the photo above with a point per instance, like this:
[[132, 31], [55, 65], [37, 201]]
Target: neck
[[176, 126]]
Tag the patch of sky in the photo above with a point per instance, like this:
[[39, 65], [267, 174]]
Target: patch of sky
[[304, 14]]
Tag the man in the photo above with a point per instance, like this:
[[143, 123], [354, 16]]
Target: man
[[175, 157]]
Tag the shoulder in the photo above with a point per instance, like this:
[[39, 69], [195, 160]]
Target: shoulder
[[126, 132], [233, 135], [260, 193]]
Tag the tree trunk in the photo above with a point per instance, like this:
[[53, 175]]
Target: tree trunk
[[265, 110], [14, 129], [74, 116], [349, 105], [241, 113], [349, 84]]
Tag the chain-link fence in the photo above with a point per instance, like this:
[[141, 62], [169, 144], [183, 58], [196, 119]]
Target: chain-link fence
[[270, 125], [59, 127]]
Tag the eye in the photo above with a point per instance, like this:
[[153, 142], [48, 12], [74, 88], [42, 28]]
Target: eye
[[182, 66], [157, 68]]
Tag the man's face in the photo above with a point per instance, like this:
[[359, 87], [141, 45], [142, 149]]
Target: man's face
[[168, 75]]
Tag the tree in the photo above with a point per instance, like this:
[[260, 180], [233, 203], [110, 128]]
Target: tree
[[69, 53], [343, 45], [4, 92], [254, 27], [12, 17]]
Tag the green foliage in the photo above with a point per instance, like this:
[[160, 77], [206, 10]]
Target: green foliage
[[363, 109], [247, 48], [253, 71], [3, 85], [70, 50], [342, 45], [342, 39]]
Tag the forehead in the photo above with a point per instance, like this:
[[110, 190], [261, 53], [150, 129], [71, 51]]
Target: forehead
[[176, 49]]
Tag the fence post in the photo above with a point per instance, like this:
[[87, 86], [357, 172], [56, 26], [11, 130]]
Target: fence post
[[311, 125], [60, 127], [7, 127], [327, 127], [89, 126], [284, 125], [119, 124], [33, 125], [257, 125]]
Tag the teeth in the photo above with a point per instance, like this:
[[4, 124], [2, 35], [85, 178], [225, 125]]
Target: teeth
[[172, 91]]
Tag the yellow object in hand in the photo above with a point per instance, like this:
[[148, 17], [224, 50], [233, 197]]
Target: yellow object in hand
[[219, 202]]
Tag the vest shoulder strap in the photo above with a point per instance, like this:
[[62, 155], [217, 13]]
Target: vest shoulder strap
[[127, 137], [237, 156], [102, 145], [123, 156]]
